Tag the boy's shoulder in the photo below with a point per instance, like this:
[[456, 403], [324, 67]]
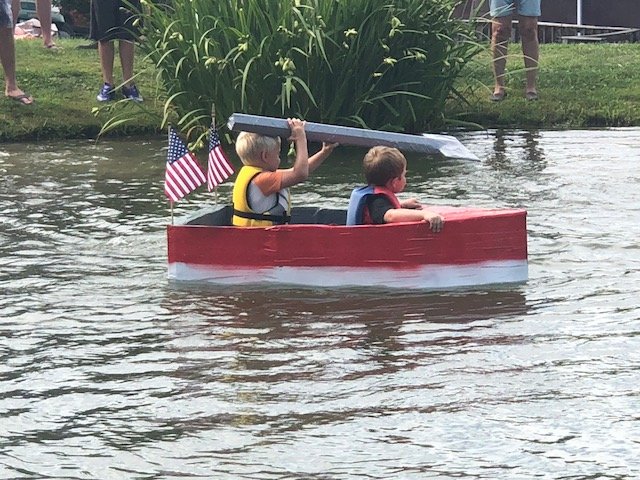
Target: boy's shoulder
[[268, 181]]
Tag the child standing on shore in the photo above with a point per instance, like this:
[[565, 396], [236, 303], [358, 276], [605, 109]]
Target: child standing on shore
[[385, 170]]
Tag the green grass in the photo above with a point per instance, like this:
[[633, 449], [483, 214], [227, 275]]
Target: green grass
[[64, 84], [580, 86]]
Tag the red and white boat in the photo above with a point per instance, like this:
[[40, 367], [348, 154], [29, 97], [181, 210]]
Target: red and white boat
[[477, 246]]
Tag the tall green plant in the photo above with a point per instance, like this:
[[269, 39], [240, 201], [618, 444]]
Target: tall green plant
[[373, 63]]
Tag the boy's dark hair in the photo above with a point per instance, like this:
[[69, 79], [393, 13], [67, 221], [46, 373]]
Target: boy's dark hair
[[382, 164]]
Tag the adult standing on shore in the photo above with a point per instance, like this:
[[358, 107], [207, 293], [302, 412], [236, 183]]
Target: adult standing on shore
[[43, 9], [502, 12], [8, 56]]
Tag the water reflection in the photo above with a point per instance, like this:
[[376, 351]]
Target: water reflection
[[375, 332], [519, 153]]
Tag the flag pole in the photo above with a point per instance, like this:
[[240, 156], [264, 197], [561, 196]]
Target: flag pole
[[170, 201], [213, 124], [218, 167]]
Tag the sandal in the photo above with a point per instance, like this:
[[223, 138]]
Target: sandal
[[23, 98]]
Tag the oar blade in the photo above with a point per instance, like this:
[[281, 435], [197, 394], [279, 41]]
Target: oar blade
[[432, 144]]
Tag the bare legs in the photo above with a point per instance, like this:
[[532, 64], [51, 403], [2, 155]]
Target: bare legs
[[8, 60], [126, 60], [15, 9], [43, 8], [501, 33], [106, 50], [106, 53], [530, 50]]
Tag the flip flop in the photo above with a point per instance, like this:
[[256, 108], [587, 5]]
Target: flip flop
[[53, 46], [531, 96], [23, 99]]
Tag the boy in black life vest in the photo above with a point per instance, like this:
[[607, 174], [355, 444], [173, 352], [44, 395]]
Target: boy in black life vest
[[261, 195], [385, 170]]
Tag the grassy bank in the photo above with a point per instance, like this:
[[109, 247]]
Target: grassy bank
[[580, 86], [64, 84]]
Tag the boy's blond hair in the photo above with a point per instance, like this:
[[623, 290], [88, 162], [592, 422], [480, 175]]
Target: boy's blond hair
[[250, 146], [382, 164]]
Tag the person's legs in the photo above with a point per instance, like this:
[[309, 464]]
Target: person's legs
[[126, 51], [15, 7], [530, 49], [8, 55], [106, 51], [43, 8], [129, 90], [500, 35], [8, 60]]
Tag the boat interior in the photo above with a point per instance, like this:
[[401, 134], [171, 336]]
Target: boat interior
[[221, 216]]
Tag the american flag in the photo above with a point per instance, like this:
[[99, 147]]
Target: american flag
[[219, 167], [184, 174]]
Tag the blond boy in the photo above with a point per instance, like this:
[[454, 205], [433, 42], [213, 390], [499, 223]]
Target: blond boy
[[261, 194]]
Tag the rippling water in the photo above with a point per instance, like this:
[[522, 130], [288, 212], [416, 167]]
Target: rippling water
[[108, 371]]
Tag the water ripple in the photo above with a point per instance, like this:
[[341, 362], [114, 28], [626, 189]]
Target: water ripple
[[109, 371]]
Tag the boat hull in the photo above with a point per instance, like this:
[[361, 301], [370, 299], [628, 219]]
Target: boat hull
[[476, 247]]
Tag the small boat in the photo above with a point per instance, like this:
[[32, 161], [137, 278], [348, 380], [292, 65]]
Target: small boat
[[477, 246]]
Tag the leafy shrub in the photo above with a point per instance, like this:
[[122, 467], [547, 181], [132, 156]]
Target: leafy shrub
[[371, 63]]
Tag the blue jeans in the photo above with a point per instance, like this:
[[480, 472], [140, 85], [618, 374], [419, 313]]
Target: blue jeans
[[504, 8]]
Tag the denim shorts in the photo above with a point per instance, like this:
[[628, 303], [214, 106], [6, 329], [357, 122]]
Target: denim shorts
[[504, 8], [6, 17]]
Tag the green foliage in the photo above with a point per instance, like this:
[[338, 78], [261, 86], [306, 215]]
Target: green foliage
[[374, 63]]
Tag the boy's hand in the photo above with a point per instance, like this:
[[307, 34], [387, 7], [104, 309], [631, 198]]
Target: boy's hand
[[297, 129], [328, 147], [434, 220], [411, 203]]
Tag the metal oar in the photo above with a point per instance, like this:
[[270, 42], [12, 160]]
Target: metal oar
[[432, 144]]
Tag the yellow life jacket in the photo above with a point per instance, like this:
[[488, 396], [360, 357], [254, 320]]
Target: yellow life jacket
[[244, 216]]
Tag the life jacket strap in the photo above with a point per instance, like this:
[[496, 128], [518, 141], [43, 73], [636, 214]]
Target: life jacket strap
[[277, 219]]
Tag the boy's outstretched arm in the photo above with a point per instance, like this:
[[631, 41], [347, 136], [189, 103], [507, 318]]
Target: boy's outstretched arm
[[316, 160]]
